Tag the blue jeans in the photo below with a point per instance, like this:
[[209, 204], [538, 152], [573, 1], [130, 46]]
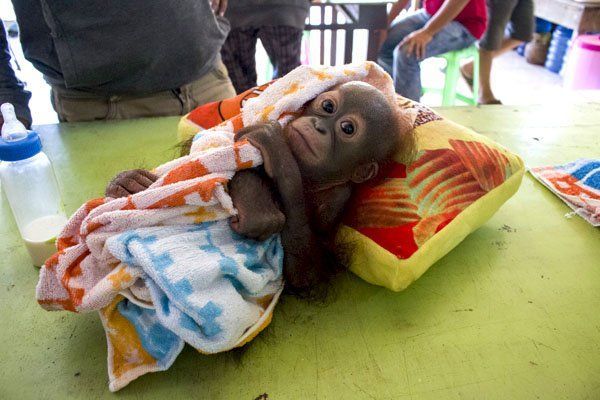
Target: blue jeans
[[405, 68]]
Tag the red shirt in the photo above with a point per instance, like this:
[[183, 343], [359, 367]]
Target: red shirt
[[473, 16]]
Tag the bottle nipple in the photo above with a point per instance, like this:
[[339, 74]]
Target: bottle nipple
[[13, 129]]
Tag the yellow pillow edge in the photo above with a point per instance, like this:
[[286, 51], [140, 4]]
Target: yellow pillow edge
[[378, 266], [452, 130], [186, 129]]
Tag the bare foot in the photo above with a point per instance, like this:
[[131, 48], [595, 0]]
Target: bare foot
[[489, 100]]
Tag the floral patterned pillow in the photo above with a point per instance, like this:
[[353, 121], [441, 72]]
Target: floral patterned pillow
[[400, 225]]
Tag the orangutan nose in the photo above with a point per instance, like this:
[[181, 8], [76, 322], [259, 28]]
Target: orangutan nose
[[319, 126]]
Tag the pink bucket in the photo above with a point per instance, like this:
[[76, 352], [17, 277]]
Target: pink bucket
[[583, 69]]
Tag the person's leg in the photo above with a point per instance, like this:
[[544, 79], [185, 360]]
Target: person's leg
[[522, 23], [499, 12], [407, 72], [74, 105], [282, 44], [395, 34], [506, 45], [238, 54], [486, 96], [494, 43], [520, 29], [214, 86], [486, 57]]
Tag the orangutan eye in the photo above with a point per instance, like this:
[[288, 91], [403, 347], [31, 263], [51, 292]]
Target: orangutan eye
[[328, 106], [347, 127]]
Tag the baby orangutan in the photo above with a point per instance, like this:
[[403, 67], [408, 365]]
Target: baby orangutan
[[310, 168]]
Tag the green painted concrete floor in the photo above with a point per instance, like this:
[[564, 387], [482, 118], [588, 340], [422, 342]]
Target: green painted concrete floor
[[512, 313]]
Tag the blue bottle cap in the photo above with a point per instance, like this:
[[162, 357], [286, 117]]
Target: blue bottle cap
[[15, 150]]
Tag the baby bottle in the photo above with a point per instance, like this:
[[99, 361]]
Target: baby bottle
[[30, 186]]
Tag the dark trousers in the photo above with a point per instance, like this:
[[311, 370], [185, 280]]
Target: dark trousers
[[282, 44]]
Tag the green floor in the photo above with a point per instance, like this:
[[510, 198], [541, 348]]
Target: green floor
[[512, 313]]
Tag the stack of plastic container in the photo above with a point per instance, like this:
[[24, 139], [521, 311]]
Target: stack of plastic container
[[558, 48]]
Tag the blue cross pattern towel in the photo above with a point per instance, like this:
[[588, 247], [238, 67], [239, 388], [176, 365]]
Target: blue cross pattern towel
[[200, 284]]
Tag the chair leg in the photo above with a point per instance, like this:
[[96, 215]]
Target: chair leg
[[475, 78], [449, 93]]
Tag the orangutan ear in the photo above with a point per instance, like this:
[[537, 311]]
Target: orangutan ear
[[364, 172]]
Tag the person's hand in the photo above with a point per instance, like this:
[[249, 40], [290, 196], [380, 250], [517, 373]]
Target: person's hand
[[416, 43], [218, 6], [130, 182]]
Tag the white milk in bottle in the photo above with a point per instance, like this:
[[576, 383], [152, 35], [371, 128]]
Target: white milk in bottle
[[40, 237], [30, 186]]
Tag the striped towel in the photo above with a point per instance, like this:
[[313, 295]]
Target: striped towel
[[577, 184]]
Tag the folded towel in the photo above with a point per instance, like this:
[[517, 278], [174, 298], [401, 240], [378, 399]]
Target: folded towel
[[577, 184], [214, 305], [163, 266], [179, 271]]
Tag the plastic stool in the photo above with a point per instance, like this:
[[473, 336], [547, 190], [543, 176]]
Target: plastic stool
[[453, 59]]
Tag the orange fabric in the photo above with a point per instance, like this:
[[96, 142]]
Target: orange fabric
[[212, 114]]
